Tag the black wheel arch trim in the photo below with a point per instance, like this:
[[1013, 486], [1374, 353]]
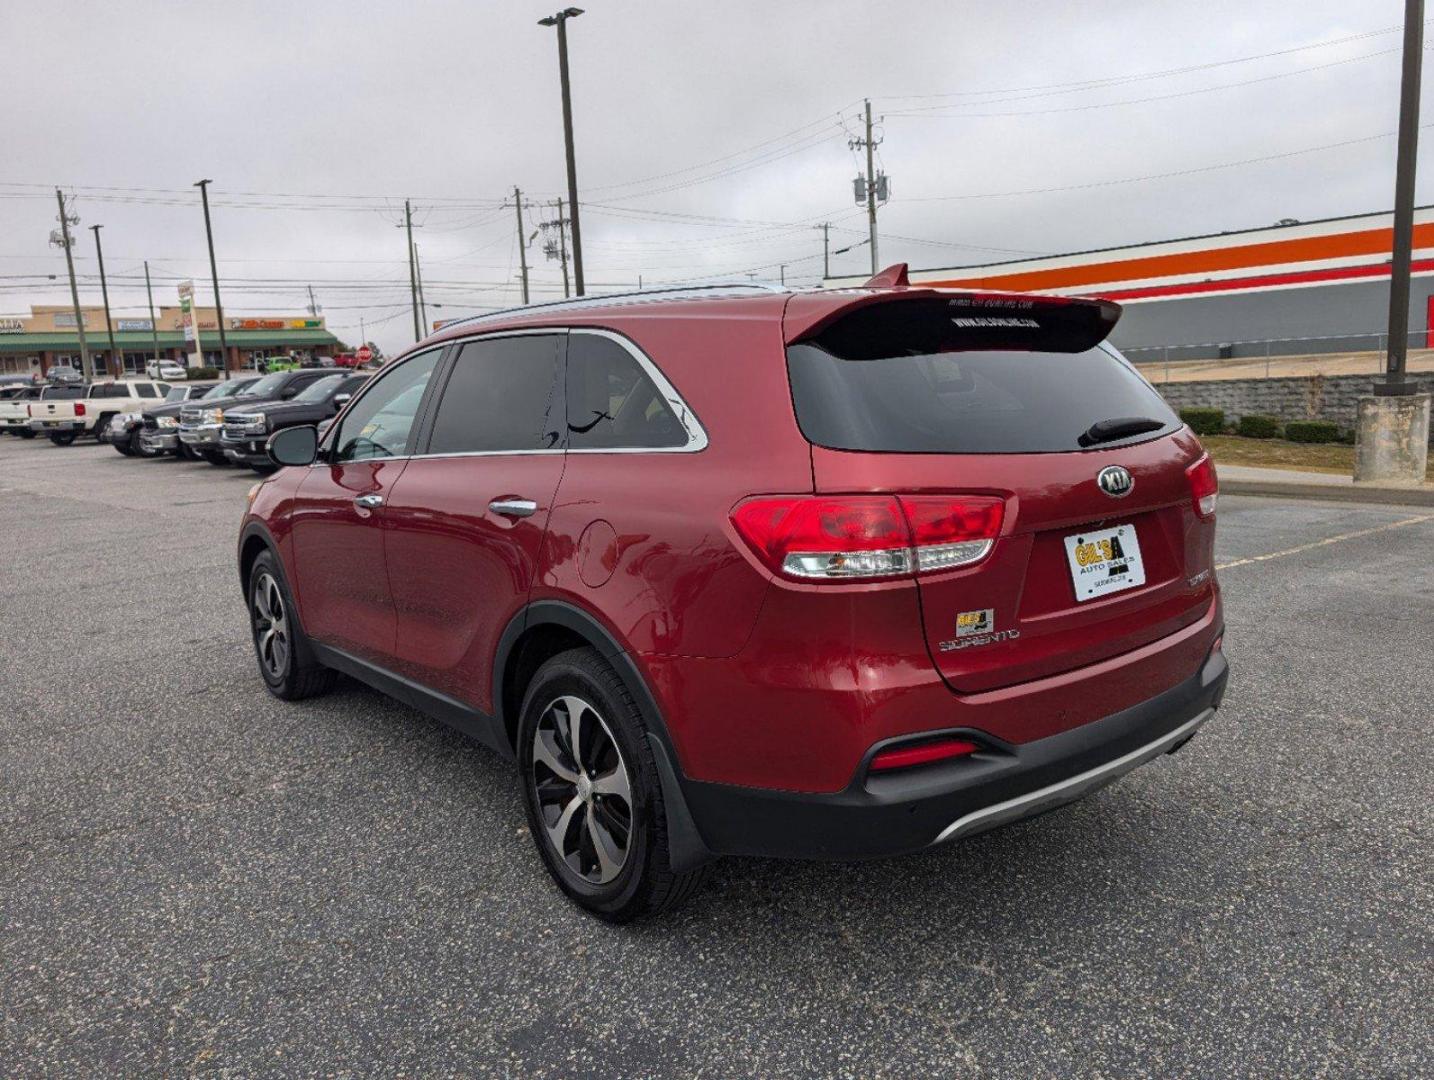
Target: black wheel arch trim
[[686, 847]]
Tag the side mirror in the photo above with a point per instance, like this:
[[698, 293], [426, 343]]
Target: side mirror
[[293, 446], [342, 399], [288, 392]]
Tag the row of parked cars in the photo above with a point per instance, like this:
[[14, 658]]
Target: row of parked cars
[[224, 423]]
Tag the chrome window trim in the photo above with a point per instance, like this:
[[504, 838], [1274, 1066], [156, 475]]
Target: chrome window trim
[[696, 433]]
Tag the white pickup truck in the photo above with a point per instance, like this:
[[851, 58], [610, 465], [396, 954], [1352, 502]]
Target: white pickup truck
[[65, 420], [15, 405]]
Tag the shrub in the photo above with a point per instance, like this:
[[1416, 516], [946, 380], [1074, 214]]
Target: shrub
[[204, 373], [1312, 431], [1255, 426], [1204, 421]]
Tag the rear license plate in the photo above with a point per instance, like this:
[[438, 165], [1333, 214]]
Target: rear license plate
[[1105, 561]]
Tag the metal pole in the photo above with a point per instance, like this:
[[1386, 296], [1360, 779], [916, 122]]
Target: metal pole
[[412, 276], [203, 186], [826, 228], [871, 187], [86, 368], [418, 271], [563, 251], [522, 242], [560, 20], [1167, 363], [1395, 384], [153, 325], [115, 357]]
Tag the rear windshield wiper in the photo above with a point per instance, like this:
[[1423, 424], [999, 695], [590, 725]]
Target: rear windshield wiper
[[1119, 428]]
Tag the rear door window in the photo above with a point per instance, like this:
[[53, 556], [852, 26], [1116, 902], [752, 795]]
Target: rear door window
[[500, 397], [612, 403], [929, 381]]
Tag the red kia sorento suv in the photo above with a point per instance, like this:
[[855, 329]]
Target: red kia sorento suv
[[825, 574]]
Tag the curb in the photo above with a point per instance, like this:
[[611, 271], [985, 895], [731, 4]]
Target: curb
[[1388, 496]]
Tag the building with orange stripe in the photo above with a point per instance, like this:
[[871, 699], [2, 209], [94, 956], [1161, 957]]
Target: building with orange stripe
[[1289, 289]]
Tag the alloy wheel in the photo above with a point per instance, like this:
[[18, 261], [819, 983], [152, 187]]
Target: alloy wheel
[[583, 789], [271, 626]]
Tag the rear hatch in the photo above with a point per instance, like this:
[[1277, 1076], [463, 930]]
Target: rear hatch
[[1100, 548]]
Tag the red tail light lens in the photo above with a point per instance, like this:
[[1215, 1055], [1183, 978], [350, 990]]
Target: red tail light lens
[[79, 408], [1204, 487], [904, 757], [868, 536]]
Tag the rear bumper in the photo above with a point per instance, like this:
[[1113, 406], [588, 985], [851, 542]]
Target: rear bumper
[[57, 425], [884, 815]]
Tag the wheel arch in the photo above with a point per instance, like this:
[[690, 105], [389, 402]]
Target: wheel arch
[[254, 539]]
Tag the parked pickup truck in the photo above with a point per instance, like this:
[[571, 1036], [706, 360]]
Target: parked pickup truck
[[15, 410], [201, 426], [65, 421], [159, 428], [126, 431], [247, 427]]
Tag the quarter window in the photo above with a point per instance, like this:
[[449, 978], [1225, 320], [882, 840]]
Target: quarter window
[[500, 397], [145, 389], [380, 423], [613, 403]]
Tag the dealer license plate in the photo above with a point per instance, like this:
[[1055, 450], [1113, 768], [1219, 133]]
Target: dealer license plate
[[1105, 561]]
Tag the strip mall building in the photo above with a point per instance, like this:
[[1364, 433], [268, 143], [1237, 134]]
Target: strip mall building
[[30, 345], [1311, 287]]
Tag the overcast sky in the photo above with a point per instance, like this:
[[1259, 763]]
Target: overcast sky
[[711, 138]]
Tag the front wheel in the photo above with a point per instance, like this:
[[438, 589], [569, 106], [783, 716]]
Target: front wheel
[[214, 457], [594, 803], [102, 427], [286, 662]]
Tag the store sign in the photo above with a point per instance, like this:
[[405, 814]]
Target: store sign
[[67, 319], [134, 324], [11, 326], [187, 323], [275, 324]]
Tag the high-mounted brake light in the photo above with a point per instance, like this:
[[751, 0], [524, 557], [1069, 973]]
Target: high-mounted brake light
[[847, 537], [904, 757], [1204, 487]]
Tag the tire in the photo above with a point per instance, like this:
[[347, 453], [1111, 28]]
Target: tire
[[26, 434], [184, 453], [62, 438], [137, 450], [578, 804], [124, 448], [102, 425], [214, 457], [286, 662]]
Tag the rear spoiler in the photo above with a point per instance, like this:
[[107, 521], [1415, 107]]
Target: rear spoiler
[[868, 322]]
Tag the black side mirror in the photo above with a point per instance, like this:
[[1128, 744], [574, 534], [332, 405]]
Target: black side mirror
[[342, 399], [294, 446], [288, 392]]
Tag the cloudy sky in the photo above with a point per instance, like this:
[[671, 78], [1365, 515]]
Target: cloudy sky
[[712, 139]]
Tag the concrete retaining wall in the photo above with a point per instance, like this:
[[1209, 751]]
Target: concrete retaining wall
[[1306, 397]]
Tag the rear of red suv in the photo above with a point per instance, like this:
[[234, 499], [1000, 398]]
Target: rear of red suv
[[997, 595], [818, 575]]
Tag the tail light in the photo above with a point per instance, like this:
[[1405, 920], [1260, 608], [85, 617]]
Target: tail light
[[79, 408], [905, 757], [1204, 487], [850, 537]]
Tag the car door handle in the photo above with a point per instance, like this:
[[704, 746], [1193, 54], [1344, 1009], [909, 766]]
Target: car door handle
[[369, 502], [514, 507]]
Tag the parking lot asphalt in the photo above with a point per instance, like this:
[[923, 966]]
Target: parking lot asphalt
[[197, 878]]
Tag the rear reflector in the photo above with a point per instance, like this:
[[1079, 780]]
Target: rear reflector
[[868, 536], [1204, 487], [904, 757]]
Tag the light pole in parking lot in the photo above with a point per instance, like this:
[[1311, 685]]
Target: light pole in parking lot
[[560, 20], [203, 186], [115, 358]]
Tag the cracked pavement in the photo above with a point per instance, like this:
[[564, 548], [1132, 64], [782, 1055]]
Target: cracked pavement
[[196, 878]]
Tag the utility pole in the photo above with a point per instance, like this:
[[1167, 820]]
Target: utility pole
[[558, 249], [560, 20], [782, 272], [313, 304], [1395, 383], [522, 242], [153, 326], [363, 334], [115, 358], [412, 275], [203, 186], [871, 187], [826, 228], [86, 369], [418, 272]]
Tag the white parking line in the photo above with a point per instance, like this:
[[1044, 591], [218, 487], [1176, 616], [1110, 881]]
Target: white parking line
[[1328, 540]]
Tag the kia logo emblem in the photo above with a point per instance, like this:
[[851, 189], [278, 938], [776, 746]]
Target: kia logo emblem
[[1115, 481]]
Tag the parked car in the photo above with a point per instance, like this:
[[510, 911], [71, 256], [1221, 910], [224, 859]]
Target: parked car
[[159, 428], [247, 427], [65, 419], [166, 369], [15, 410], [126, 431], [835, 574], [201, 426], [64, 374]]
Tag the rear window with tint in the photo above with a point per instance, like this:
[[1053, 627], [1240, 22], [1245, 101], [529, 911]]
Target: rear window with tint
[[934, 388]]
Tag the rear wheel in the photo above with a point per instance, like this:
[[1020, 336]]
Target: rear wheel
[[594, 803], [286, 661], [62, 438]]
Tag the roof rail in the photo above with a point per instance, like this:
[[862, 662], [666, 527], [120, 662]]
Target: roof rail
[[637, 297]]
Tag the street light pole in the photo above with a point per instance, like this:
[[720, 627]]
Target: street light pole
[[203, 186], [560, 20], [1395, 384], [115, 357]]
